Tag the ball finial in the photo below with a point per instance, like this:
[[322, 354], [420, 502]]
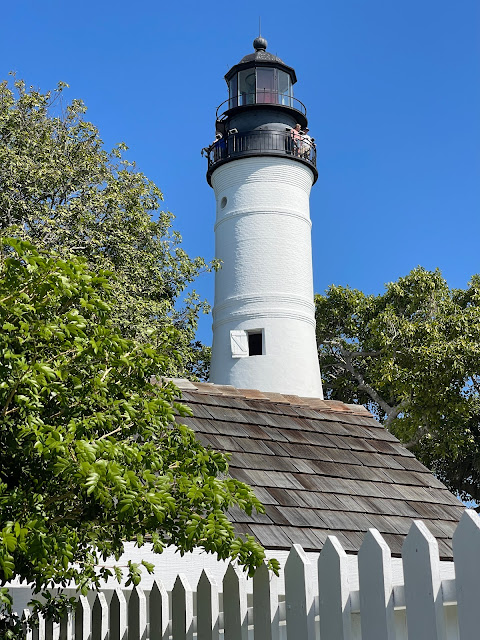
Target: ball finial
[[260, 44]]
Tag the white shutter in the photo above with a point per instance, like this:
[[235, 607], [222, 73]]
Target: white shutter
[[239, 344]]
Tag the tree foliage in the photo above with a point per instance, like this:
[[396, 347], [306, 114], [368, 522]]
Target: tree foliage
[[411, 355], [90, 454], [60, 189]]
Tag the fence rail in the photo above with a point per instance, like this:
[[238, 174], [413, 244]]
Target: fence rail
[[317, 603]]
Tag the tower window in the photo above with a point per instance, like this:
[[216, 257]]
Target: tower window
[[223, 202], [255, 343]]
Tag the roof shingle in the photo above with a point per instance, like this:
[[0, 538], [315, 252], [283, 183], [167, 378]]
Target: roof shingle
[[320, 467]]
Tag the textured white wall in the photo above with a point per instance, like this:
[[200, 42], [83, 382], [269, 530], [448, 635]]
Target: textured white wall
[[263, 237]]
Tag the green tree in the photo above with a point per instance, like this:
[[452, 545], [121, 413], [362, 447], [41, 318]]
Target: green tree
[[412, 356], [60, 189], [90, 453]]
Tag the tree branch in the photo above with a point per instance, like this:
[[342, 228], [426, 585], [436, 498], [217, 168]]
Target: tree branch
[[390, 412]]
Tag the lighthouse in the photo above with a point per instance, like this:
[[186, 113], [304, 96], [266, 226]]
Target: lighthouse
[[262, 166]]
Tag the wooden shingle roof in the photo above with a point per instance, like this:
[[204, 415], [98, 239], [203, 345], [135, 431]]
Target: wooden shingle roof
[[320, 467]]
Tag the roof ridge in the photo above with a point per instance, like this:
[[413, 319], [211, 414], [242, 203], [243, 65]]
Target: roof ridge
[[269, 396]]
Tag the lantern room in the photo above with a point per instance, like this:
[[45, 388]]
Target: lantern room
[[260, 78]]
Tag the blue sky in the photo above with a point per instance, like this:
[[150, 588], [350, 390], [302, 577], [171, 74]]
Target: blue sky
[[392, 90]]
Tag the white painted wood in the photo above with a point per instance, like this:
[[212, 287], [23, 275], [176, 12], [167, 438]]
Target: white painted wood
[[239, 344], [423, 592], [299, 596], [82, 624], [137, 615], [52, 630], [100, 618], [376, 592], [207, 607], [364, 598], [28, 630], [466, 552], [182, 609], [158, 610], [235, 604], [333, 590], [118, 616], [64, 627], [265, 605], [41, 628]]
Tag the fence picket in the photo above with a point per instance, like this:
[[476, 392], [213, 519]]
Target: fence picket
[[64, 626], [118, 616], [41, 628], [265, 605], [28, 631], [83, 619], [299, 599], [333, 591], [207, 607], [235, 604], [376, 593], [466, 553], [137, 615], [100, 618], [182, 609], [423, 606], [423, 587], [52, 630], [158, 609]]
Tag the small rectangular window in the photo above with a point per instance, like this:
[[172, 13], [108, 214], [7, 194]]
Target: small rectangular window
[[246, 86], [265, 86], [255, 343], [233, 93], [284, 88]]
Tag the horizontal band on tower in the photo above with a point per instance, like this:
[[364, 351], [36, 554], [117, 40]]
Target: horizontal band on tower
[[273, 313], [269, 300], [238, 213]]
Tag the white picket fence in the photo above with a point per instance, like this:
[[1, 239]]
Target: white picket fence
[[315, 605]]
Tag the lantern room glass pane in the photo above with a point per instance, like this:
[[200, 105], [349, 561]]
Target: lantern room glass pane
[[233, 93], [246, 86], [285, 92], [266, 85]]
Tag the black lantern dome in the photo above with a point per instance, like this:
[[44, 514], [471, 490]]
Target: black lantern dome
[[261, 112]]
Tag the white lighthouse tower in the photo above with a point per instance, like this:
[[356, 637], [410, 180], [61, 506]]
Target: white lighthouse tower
[[262, 169]]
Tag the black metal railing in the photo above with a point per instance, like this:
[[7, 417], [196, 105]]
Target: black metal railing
[[261, 96], [289, 143]]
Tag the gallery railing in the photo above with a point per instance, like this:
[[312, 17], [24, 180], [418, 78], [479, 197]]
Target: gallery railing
[[261, 96], [262, 142]]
